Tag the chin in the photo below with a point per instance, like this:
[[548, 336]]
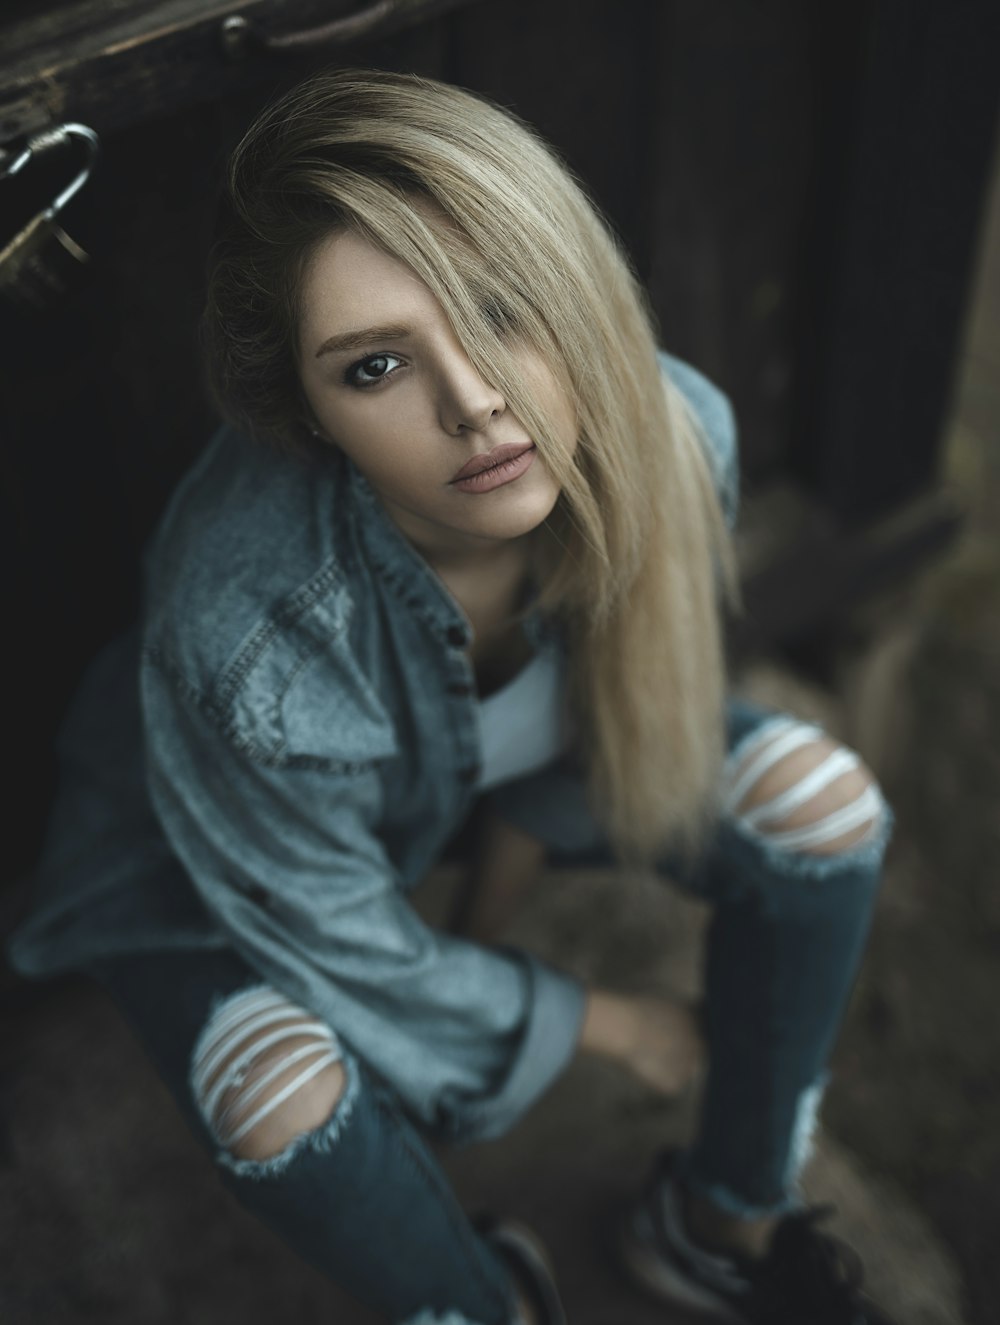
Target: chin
[[525, 516]]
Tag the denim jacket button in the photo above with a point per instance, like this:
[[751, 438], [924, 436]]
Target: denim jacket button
[[456, 637]]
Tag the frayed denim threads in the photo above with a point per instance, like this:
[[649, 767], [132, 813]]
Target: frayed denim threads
[[322, 1138], [768, 756], [318, 1139], [801, 1150], [432, 1318], [804, 1132]]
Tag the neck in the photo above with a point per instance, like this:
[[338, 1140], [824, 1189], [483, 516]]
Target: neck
[[493, 560], [509, 561]]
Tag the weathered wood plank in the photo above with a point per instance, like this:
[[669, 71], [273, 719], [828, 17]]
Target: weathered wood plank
[[113, 64], [585, 81], [904, 156], [734, 148]]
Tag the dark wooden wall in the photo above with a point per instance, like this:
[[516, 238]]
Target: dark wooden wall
[[724, 139]]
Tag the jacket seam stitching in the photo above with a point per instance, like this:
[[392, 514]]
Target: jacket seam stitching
[[291, 610], [227, 727]]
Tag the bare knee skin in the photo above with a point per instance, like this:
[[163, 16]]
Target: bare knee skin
[[264, 1072], [804, 789]]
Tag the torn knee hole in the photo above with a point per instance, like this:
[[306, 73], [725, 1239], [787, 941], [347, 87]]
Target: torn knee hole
[[264, 1072], [802, 790]]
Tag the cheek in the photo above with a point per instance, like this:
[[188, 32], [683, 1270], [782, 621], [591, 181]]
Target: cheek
[[379, 452], [564, 414], [571, 422], [555, 394], [316, 398], [349, 428]]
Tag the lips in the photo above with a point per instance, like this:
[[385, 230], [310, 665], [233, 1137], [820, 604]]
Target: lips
[[490, 459]]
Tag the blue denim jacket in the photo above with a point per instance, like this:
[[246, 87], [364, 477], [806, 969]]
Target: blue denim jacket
[[294, 734]]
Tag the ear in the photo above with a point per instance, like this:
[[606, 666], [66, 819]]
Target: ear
[[316, 433]]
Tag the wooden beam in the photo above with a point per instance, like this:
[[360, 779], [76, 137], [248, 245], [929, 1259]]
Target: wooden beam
[[112, 64], [910, 95]]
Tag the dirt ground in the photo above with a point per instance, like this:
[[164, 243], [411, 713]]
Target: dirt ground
[[922, 1031]]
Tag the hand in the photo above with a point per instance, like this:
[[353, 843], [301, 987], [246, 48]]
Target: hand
[[657, 1039], [666, 1049]]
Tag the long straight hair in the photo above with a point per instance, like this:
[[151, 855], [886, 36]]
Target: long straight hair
[[635, 558]]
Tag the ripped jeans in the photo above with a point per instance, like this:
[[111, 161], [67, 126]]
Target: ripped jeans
[[361, 1197], [792, 874]]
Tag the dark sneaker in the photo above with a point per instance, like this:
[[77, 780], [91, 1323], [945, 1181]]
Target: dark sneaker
[[530, 1266], [807, 1277]]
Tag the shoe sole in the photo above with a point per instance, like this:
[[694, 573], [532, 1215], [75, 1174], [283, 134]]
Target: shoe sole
[[650, 1271], [532, 1262]]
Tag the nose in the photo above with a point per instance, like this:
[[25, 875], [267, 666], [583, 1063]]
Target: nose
[[468, 403]]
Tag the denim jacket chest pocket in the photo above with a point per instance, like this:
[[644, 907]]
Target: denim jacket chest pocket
[[294, 694]]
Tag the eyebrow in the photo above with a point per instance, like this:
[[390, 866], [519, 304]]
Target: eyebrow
[[352, 340]]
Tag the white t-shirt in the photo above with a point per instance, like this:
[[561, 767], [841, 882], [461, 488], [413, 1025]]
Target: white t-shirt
[[525, 725]]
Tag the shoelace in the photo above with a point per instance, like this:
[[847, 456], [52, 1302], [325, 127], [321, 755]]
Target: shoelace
[[809, 1271]]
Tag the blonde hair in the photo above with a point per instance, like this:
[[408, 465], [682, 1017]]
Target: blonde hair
[[632, 558]]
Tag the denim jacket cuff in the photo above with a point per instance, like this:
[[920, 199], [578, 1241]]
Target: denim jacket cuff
[[555, 1020]]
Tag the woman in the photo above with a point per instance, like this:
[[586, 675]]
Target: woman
[[474, 557]]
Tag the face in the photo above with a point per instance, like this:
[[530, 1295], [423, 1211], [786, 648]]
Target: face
[[390, 384]]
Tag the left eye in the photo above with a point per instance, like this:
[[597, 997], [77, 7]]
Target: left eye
[[375, 368]]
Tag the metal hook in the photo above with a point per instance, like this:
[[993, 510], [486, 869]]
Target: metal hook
[[56, 137], [42, 260]]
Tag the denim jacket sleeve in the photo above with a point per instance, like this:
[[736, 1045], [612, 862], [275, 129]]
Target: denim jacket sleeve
[[714, 415], [286, 858]]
